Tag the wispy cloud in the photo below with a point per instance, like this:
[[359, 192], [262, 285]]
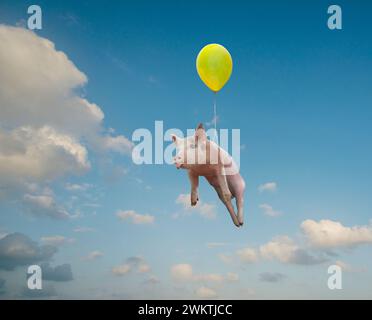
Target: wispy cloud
[[271, 276], [268, 210], [152, 79], [214, 120], [45, 205], [56, 240], [206, 210], [349, 268], [132, 264], [206, 293], [71, 19], [94, 255], [211, 245], [226, 258], [84, 229], [247, 255], [77, 187], [184, 272], [119, 63], [268, 186], [134, 217]]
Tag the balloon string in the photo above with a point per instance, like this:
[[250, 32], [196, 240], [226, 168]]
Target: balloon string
[[215, 117]]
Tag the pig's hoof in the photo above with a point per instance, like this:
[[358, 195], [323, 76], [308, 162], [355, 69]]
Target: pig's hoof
[[241, 222], [194, 199], [194, 202]]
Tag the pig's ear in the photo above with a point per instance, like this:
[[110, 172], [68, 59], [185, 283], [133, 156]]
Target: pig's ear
[[200, 126], [200, 133], [174, 138]]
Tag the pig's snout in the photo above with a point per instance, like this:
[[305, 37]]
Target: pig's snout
[[177, 162]]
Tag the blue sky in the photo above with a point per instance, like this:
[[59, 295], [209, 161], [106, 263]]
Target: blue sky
[[300, 94]]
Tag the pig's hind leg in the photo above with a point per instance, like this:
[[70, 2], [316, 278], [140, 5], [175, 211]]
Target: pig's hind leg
[[225, 195], [237, 186]]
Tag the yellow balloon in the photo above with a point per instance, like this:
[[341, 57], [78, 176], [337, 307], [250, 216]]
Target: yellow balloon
[[214, 65]]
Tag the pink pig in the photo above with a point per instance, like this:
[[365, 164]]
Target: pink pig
[[202, 157]]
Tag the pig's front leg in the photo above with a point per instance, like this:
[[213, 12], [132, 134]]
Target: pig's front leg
[[194, 180]]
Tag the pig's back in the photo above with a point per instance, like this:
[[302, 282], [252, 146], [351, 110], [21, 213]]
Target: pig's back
[[227, 160]]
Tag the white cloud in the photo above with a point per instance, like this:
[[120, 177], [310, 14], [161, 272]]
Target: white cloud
[[280, 248], [206, 293], [332, 234], [45, 205], [231, 276], [134, 217], [47, 127], [77, 187], [226, 258], [348, 268], [83, 229], [205, 209], [119, 144], [39, 154], [269, 186], [268, 210], [143, 268], [211, 245], [132, 264], [93, 255], [321, 237], [209, 277], [184, 272], [38, 87], [247, 255], [285, 250], [121, 269], [3, 234], [56, 240]]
